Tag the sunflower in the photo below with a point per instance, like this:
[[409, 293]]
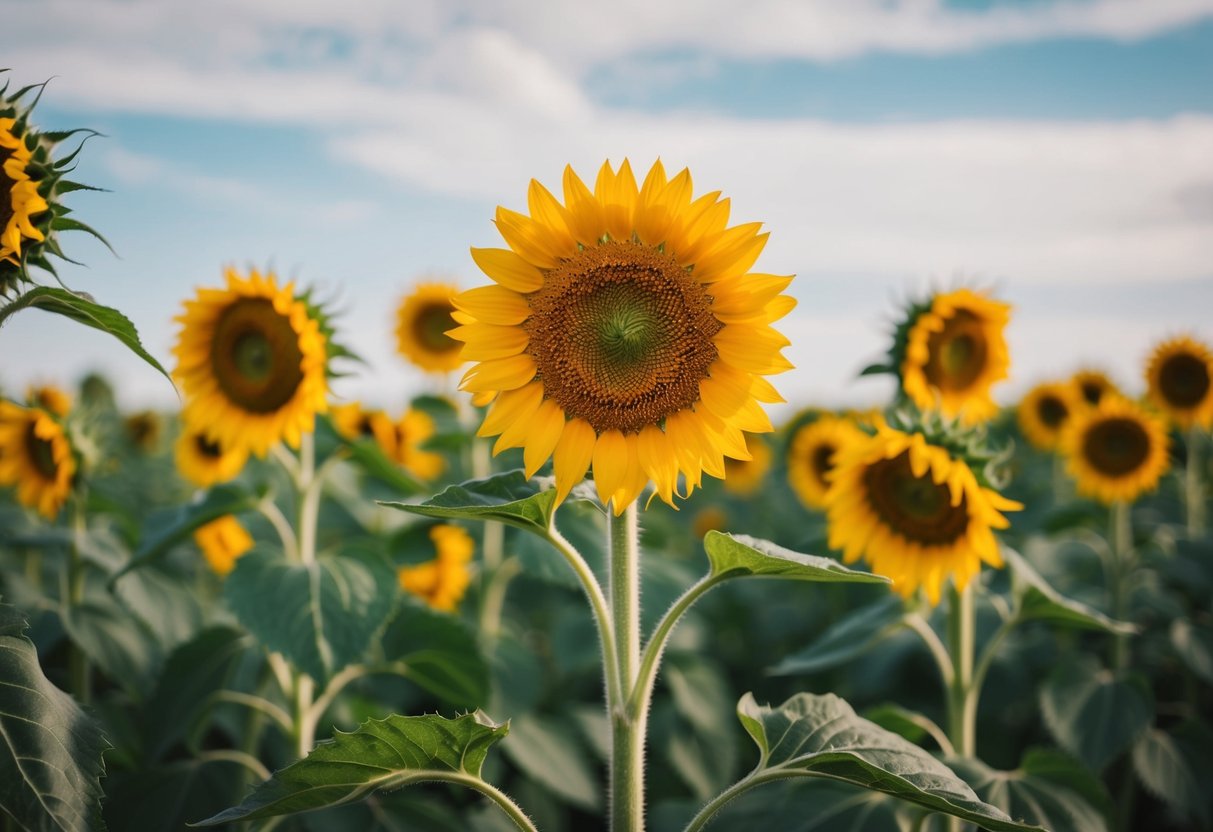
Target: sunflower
[[712, 518], [144, 429], [412, 431], [743, 477], [50, 398], [1045, 411], [1115, 451], [222, 541], [353, 422], [252, 362], [1093, 385], [204, 461], [914, 510], [624, 331], [36, 457], [812, 453], [1180, 381], [422, 324], [441, 581], [953, 352], [19, 197]]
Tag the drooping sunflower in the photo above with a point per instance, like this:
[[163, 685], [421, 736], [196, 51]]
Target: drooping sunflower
[[36, 457], [1180, 381], [442, 581], [422, 324], [813, 452], [1045, 411], [625, 331], [1115, 451], [222, 542], [744, 477], [1093, 385], [252, 362], [951, 351], [915, 511], [355, 422], [204, 461], [413, 429]]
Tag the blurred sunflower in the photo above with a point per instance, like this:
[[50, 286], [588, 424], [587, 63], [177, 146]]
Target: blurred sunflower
[[19, 197], [252, 362], [204, 461], [1180, 381], [712, 518], [914, 511], [1093, 385], [353, 422], [412, 431], [625, 331], [222, 542], [1045, 411], [50, 398], [442, 581], [36, 457], [144, 429], [1115, 451], [743, 477], [952, 352], [813, 452], [422, 324]]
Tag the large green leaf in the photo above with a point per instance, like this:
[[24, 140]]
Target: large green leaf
[[116, 641], [1164, 770], [1093, 714], [381, 755], [323, 614], [821, 736], [508, 498], [50, 750], [547, 749], [847, 638], [166, 796], [1040, 601], [439, 652], [83, 310], [1194, 644], [741, 555], [1049, 789]]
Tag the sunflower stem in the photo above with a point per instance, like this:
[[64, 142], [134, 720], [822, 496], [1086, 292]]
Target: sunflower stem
[[627, 726], [79, 672], [962, 716], [308, 485], [1194, 492], [1118, 573]]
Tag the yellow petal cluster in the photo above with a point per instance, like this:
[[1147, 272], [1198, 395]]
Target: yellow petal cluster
[[1115, 451], [442, 581]]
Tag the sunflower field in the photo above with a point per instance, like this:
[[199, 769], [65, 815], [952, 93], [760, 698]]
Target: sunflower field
[[586, 582]]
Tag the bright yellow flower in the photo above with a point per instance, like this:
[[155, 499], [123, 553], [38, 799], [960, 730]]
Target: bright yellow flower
[[1180, 381], [353, 422], [915, 512], [19, 197], [624, 330], [422, 323], [1045, 411], [744, 477], [1115, 451], [222, 542], [413, 429], [205, 462], [50, 398], [252, 363], [442, 581], [1093, 385], [36, 457], [812, 454]]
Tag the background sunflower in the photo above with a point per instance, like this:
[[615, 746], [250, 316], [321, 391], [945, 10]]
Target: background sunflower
[[442, 580], [1045, 410], [35, 457], [1115, 451], [1179, 381], [813, 453], [423, 320]]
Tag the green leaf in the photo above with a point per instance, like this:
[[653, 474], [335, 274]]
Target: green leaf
[[1091, 713], [323, 614], [117, 642], [734, 556], [821, 736], [1164, 770], [847, 638], [367, 454], [705, 757], [1194, 644], [50, 750], [507, 498], [166, 796], [1039, 601], [440, 653], [83, 310], [1049, 789], [381, 755], [547, 750]]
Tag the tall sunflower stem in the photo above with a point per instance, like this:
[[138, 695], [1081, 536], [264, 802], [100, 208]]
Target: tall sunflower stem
[[1120, 567], [1194, 490], [308, 486], [79, 672], [962, 715], [627, 725]]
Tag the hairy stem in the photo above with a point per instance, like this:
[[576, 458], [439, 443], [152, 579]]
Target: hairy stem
[[627, 728]]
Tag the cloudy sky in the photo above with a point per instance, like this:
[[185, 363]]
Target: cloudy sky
[[1059, 152]]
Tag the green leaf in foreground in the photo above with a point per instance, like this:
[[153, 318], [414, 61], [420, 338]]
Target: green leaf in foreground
[[83, 310], [741, 555], [507, 498], [821, 736], [50, 750], [380, 756], [1039, 601]]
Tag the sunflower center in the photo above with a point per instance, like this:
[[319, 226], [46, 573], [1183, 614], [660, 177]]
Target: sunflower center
[[41, 454], [822, 461], [255, 355], [622, 336], [1184, 380], [431, 325], [917, 508], [207, 448], [957, 353], [1052, 411], [1116, 447], [1092, 391]]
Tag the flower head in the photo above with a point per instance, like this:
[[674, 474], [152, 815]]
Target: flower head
[[422, 323], [441, 581], [1115, 451], [1093, 385], [204, 461], [1180, 381], [36, 457], [813, 453], [222, 542], [1046, 410]]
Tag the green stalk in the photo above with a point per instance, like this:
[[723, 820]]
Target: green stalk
[[79, 673], [1118, 573], [627, 727], [303, 687], [1194, 492], [962, 715]]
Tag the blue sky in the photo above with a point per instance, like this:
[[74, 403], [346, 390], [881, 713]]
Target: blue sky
[[1060, 152]]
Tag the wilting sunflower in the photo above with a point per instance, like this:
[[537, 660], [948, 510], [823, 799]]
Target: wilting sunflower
[[36, 457], [1093, 385], [442, 581], [915, 511], [252, 362], [743, 477], [422, 324], [1180, 381], [222, 542], [1115, 451], [952, 352], [1045, 411], [812, 454], [412, 431], [355, 422], [205, 461], [624, 331]]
